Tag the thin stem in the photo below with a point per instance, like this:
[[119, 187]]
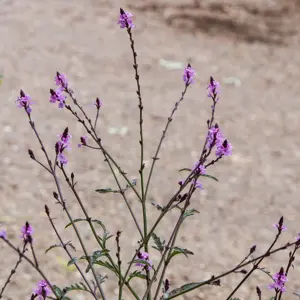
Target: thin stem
[[214, 278], [255, 266], [68, 252], [155, 158], [62, 201], [33, 254], [32, 264], [89, 220], [13, 271], [291, 259]]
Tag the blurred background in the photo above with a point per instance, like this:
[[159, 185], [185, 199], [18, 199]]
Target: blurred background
[[250, 46]]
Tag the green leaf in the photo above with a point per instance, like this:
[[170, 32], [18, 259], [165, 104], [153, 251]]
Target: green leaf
[[52, 247], [106, 190], [137, 274], [177, 250], [72, 261], [184, 289], [160, 246], [106, 265], [185, 169], [76, 287], [142, 261], [190, 212], [93, 258], [80, 220], [58, 292], [209, 176]]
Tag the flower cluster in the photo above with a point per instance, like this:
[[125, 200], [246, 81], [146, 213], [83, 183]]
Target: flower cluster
[[125, 20], [189, 75], [24, 101], [279, 281], [213, 89], [27, 231], [61, 145], [42, 291], [216, 138], [57, 95], [144, 256]]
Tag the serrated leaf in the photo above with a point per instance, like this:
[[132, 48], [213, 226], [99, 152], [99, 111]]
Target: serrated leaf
[[58, 292], [190, 212], [177, 250], [106, 265], [209, 176], [76, 287], [72, 261], [160, 246], [80, 220], [52, 247], [106, 190], [137, 274]]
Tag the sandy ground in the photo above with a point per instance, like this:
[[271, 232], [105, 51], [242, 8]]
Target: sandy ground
[[251, 47]]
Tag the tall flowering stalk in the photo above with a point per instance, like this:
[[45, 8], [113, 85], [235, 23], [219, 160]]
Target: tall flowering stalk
[[140, 266]]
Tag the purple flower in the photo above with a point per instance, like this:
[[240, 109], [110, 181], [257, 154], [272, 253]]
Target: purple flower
[[213, 89], [24, 101], [280, 226], [144, 256], [42, 290], [98, 103], [224, 149], [61, 145], [279, 281], [200, 168], [298, 238], [198, 184], [125, 20], [57, 96], [61, 81], [214, 137], [189, 75], [62, 158], [27, 231], [83, 140], [3, 234]]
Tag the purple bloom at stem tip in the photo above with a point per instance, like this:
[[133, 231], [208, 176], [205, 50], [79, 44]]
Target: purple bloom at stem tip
[[224, 149], [125, 20], [281, 228], [83, 140], [57, 96], [61, 145], [42, 290], [213, 89], [279, 281], [24, 101], [61, 81], [98, 103], [298, 238], [27, 231], [3, 234], [189, 75]]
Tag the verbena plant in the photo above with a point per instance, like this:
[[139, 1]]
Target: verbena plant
[[156, 284]]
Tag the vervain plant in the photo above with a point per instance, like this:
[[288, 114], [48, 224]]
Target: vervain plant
[[157, 286]]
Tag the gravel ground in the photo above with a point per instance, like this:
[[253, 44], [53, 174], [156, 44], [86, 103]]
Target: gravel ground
[[251, 47]]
